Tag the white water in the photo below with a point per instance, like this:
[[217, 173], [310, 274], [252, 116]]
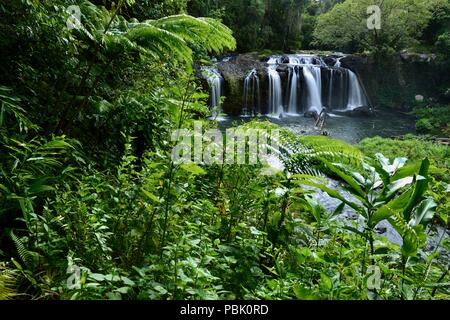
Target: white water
[[342, 90], [313, 81], [275, 92], [215, 81], [331, 89], [356, 97], [297, 59], [293, 91], [274, 60], [251, 94]]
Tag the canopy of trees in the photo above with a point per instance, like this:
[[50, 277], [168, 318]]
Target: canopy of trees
[[289, 25], [402, 24]]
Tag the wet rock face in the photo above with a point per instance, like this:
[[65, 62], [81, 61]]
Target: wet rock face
[[396, 81], [234, 72]]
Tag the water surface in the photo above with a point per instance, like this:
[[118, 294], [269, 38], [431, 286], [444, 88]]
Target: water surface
[[350, 128]]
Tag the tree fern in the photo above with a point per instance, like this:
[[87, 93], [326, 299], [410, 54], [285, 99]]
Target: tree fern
[[210, 33], [166, 38], [158, 42]]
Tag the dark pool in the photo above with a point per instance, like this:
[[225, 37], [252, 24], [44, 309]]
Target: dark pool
[[350, 128]]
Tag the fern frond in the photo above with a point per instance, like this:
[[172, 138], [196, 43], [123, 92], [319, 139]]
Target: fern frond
[[167, 39], [209, 33], [27, 256], [306, 154], [7, 283], [160, 42]]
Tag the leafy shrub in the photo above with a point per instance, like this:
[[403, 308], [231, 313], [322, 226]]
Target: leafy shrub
[[411, 147], [433, 120]]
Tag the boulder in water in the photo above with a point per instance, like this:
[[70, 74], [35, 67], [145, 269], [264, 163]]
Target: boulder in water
[[311, 114]]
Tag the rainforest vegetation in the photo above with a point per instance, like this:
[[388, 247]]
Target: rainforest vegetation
[[92, 206]]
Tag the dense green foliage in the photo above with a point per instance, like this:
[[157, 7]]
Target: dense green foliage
[[415, 149], [401, 24], [433, 120], [273, 24], [412, 147], [88, 187]]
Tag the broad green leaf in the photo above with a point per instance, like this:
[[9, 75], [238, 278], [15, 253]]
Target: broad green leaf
[[151, 196], [331, 192], [114, 296], [303, 293], [97, 277], [390, 208], [420, 188], [193, 169], [325, 282], [339, 209], [407, 171], [424, 213], [355, 187], [410, 243]]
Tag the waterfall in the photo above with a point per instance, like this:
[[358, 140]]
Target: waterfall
[[341, 91], [274, 60], [215, 82], [331, 90], [356, 97], [313, 79], [343, 85], [252, 105], [299, 83], [293, 84], [275, 92], [298, 59]]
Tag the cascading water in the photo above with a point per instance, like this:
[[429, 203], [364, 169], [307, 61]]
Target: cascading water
[[252, 105], [343, 89], [294, 81], [298, 83], [215, 82], [312, 84], [275, 92], [313, 80], [275, 60], [356, 97], [330, 89], [298, 59]]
